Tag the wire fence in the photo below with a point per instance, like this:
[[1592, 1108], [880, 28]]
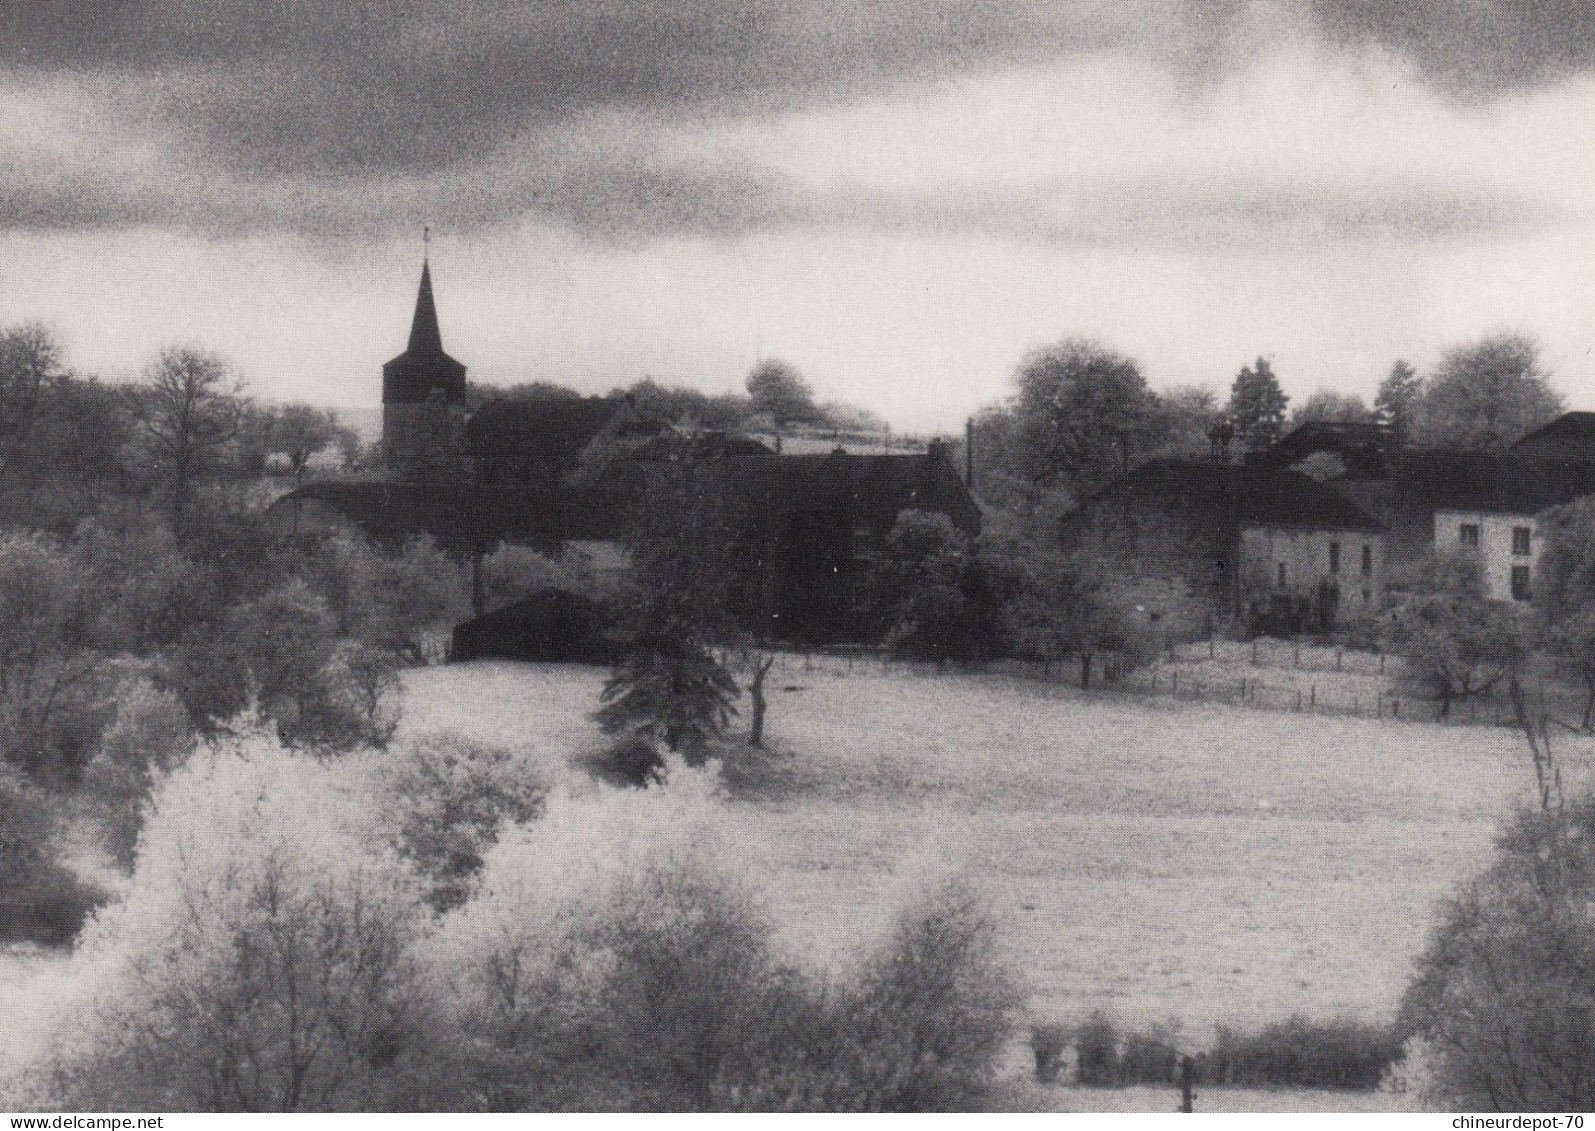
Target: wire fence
[[1266, 674]]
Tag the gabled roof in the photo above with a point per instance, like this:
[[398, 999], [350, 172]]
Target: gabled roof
[[1570, 436], [1249, 494], [1446, 479], [551, 432]]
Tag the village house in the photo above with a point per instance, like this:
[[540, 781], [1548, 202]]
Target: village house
[[1269, 546]]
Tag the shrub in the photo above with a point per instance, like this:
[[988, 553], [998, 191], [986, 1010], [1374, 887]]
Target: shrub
[[632, 761], [935, 1009], [1096, 1045], [259, 960], [40, 901], [447, 800], [608, 960], [1049, 1042], [1150, 1057], [1502, 998], [1297, 1053]]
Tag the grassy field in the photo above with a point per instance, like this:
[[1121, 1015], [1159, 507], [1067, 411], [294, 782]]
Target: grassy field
[[1155, 858]]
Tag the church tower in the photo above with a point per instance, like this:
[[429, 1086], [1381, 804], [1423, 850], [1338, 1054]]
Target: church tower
[[423, 401]]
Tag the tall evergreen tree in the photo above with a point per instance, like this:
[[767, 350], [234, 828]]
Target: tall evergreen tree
[[1400, 393], [670, 689], [1257, 406]]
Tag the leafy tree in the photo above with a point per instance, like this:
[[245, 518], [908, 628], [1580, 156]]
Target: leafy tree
[[1084, 415], [1564, 592], [1189, 413], [1399, 398], [40, 900], [191, 412], [1487, 394], [1257, 405], [779, 391], [1502, 1002], [1330, 407], [1571, 643], [49, 665], [920, 586], [1455, 644], [1566, 572], [300, 432]]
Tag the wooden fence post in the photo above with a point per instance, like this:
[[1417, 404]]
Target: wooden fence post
[[1339, 655], [1254, 651], [1175, 690], [1312, 699], [1187, 1084]]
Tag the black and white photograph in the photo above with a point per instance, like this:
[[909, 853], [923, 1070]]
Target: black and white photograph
[[661, 556]]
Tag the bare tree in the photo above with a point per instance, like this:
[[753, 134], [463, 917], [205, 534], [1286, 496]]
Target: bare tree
[[30, 362], [190, 413]]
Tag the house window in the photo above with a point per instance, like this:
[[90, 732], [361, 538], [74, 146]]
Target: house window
[[1282, 575], [1522, 540], [1520, 583], [1470, 535], [1367, 561], [1334, 557]]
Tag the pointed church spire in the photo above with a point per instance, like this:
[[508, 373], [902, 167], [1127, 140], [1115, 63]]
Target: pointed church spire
[[425, 337]]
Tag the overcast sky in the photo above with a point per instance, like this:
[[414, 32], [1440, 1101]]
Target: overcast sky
[[899, 198]]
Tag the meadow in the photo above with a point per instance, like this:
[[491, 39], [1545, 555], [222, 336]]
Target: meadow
[[1155, 858], [1159, 859]]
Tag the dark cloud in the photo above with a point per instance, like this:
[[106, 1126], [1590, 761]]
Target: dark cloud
[[342, 84], [348, 117], [1481, 48]]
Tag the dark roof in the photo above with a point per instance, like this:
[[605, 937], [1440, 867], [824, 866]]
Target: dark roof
[[423, 369], [1252, 494], [873, 487], [463, 516], [1445, 479], [771, 488], [1365, 446], [551, 432], [425, 336], [1570, 436]]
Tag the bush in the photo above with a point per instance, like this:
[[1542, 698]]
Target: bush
[[609, 961], [447, 800], [1096, 1045], [1297, 1053], [1503, 994], [259, 961], [1048, 1042], [40, 901], [933, 1011]]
